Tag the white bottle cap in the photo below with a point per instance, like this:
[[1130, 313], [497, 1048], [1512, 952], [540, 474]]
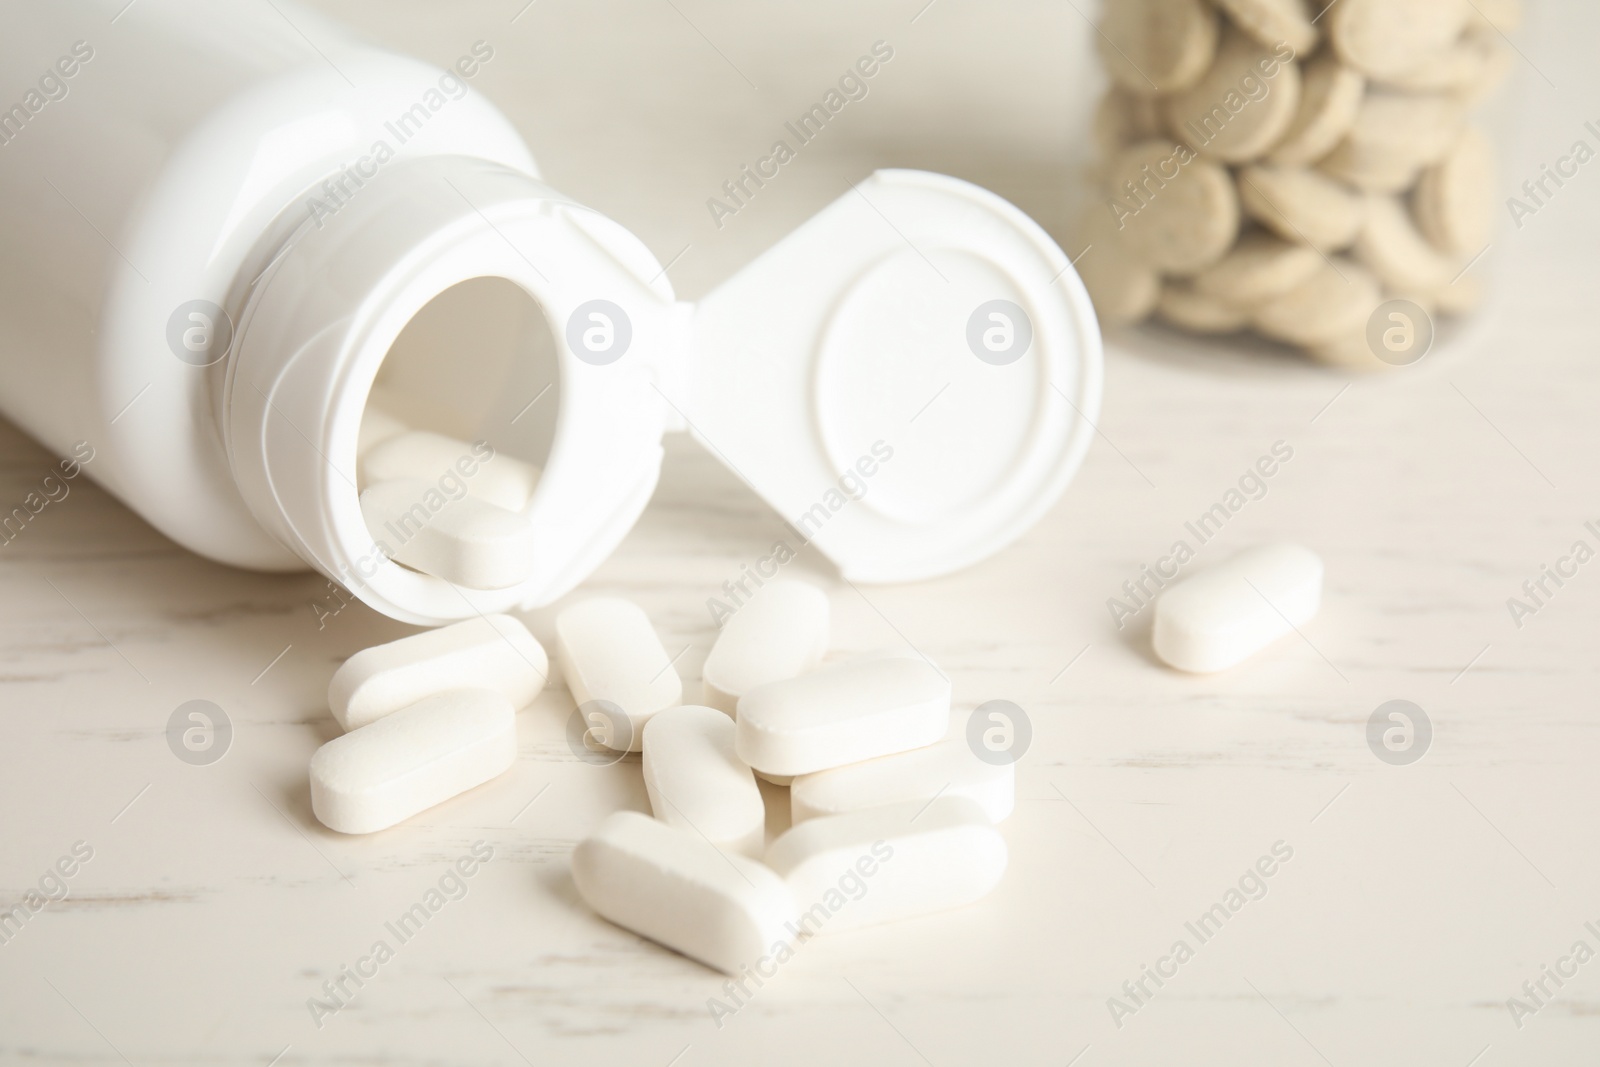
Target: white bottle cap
[[916, 315]]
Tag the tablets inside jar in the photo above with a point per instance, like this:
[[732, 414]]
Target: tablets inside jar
[[1294, 168], [459, 420]]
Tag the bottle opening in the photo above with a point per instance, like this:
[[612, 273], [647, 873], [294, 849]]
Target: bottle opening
[[444, 319], [479, 364]]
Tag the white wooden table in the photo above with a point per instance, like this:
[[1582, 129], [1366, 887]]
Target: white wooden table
[[1418, 898]]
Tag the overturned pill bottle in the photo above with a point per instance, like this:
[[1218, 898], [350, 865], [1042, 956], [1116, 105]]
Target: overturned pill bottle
[[236, 263], [1322, 176]]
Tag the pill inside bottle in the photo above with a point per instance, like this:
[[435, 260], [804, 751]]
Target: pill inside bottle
[[457, 426]]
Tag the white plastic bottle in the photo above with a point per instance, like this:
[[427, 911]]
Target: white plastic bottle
[[226, 225]]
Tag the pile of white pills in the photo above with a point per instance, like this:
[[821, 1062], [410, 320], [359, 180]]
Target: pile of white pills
[[445, 507], [884, 791], [426, 717], [1289, 166]]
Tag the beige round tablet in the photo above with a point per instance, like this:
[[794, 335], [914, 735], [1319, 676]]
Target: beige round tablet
[[1183, 307], [1462, 297], [1273, 21], [1151, 47], [1330, 97], [1416, 127], [1394, 136], [1122, 119], [1258, 268], [1350, 351], [1493, 77], [1383, 38], [1368, 170], [1108, 125], [1456, 69], [1455, 198], [1336, 300], [1123, 288], [1301, 205], [1177, 213], [1242, 105], [1392, 246], [1124, 291], [1502, 15]]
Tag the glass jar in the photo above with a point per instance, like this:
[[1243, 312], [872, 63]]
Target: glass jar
[[1313, 175]]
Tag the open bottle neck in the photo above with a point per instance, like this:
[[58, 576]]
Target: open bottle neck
[[317, 326]]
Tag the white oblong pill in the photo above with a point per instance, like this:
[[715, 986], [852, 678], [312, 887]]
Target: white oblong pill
[[1224, 615], [610, 652], [377, 426], [843, 713], [389, 770], [491, 476], [781, 632], [490, 652], [463, 540], [697, 781], [670, 886], [883, 864], [949, 768]]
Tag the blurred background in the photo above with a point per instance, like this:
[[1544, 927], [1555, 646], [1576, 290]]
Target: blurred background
[[644, 109]]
